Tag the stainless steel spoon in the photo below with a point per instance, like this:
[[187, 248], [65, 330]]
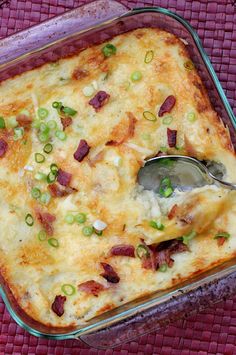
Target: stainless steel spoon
[[184, 172]]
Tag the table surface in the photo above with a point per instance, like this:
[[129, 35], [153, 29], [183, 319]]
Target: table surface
[[212, 331]]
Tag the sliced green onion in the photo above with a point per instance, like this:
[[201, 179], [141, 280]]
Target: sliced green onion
[[88, 90], [51, 177], [142, 251], [36, 123], [52, 124], [69, 111], [39, 158], [87, 231], [186, 238], [148, 57], [61, 135], [189, 65], [35, 192], [167, 120], [98, 232], [2, 123], [166, 188], [149, 116], [54, 168], [68, 289], [44, 128], [163, 149], [40, 176], [12, 122], [53, 242], [136, 76], [69, 219], [156, 225], [48, 148], [80, 218], [163, 267], [42, 113], [24, 112], [222, 235], [108, 50], [45, 198], [191, 117], [42, 235], [29, 220], [56, 104], [18, 133], [43, 137]]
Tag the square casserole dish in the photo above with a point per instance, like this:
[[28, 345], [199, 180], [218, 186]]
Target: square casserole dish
[[66, 35]]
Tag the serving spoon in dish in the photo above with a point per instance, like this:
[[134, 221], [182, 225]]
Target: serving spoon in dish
[[163, 174]]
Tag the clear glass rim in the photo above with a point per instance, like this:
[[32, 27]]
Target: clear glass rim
[[76, 333]]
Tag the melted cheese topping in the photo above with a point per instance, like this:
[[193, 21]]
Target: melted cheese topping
[[106, 179]]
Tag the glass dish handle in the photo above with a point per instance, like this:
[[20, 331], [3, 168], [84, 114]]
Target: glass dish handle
[[27, 41], [184, 302]]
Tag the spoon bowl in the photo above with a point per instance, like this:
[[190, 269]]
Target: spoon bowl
[[184, 172]]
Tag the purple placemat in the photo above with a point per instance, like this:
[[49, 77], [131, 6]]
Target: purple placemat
[[212, 331]]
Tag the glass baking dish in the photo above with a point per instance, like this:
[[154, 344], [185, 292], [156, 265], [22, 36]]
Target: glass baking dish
[[65, 35]]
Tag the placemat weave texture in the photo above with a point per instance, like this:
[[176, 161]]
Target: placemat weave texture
[[212, 331]]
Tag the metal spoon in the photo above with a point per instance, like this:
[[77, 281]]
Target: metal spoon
[[184, 172]]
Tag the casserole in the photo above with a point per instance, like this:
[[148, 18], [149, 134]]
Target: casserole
[[126, 23]]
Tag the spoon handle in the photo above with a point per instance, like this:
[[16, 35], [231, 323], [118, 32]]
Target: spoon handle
[[225, 184]]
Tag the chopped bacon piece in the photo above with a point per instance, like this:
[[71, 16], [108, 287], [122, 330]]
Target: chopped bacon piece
[[63, 177], [57, 191], [220, 241], [171, 136], [46, 220], [160, 154], [123, 250], [66, 121], [58, 305], [167, 105], [110, 275], [161, 254], [91, 287], [99, 100], [172, 212], [3, 147], [23, 120], [79, 74], [82, 150]]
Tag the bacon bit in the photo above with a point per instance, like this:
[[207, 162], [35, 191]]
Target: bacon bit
[[91, 287], [63, 177], [82, 150], [3, 147], [220, 241], [66, 121], [23, 120], [172, 212], [171, 136], [79, 74], [110, 275], [167, 105], [58, 305], [123, 250], [46, 220], [57, 191], [161, 254], [99, 100], [160, 154], [129, 134]]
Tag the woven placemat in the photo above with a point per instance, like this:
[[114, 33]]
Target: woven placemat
[[212, 331]]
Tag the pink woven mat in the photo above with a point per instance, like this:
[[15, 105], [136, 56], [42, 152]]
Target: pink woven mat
[[212, 331]]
